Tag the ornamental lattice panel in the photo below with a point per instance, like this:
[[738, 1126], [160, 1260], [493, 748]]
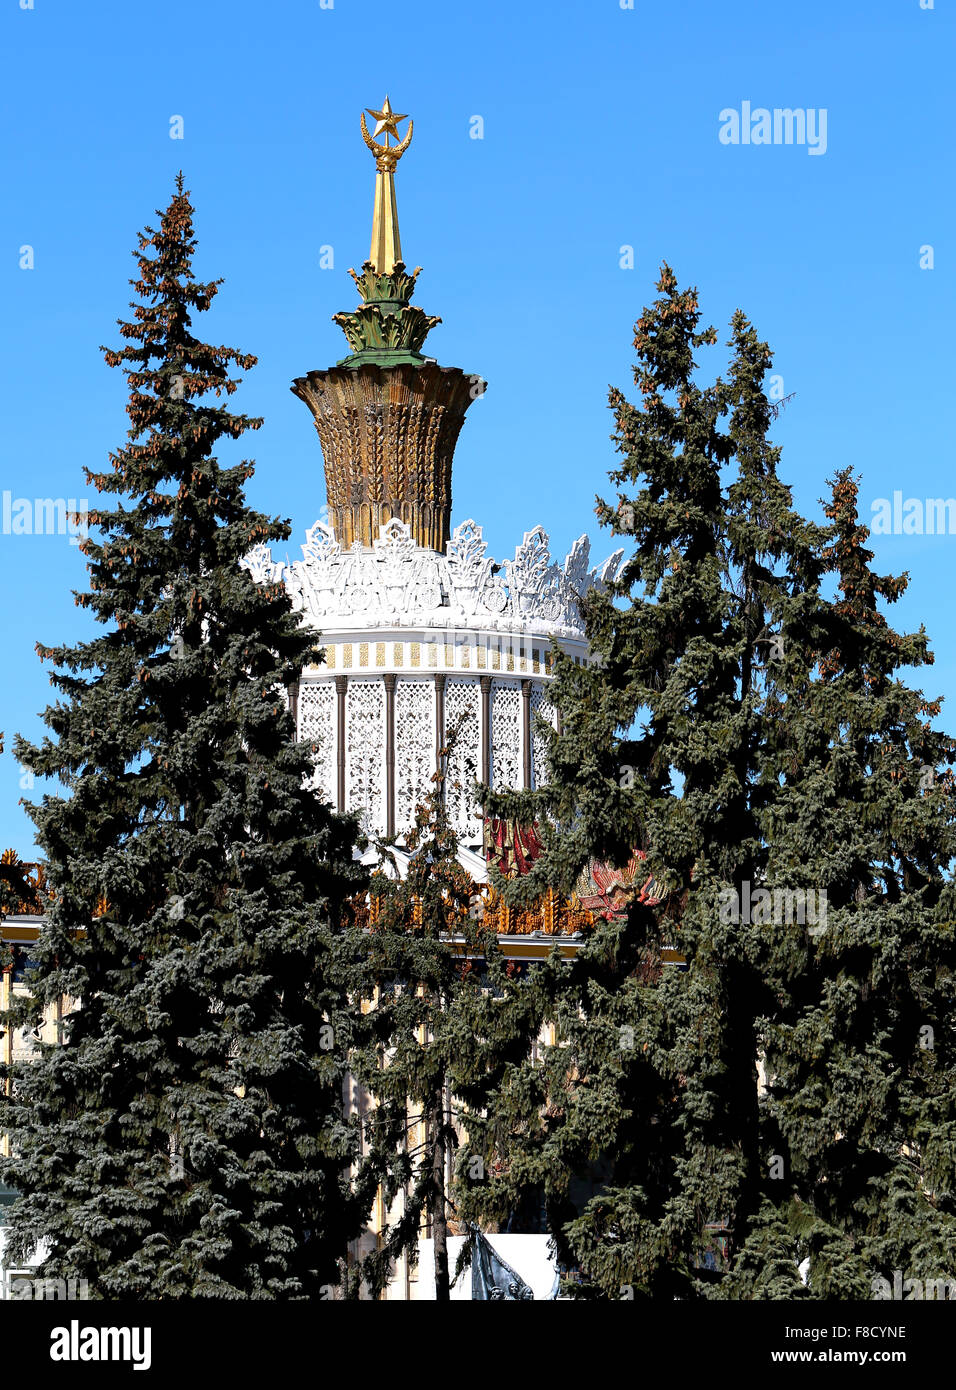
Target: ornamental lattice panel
[[317, 726], [414, 747], [505, 735], [539, 763], [463, 708], [365, 751]]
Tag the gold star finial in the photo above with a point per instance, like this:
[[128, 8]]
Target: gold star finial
[[387, 120], [386, 249]]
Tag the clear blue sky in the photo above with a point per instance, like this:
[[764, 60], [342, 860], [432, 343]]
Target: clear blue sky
[[600, 130]]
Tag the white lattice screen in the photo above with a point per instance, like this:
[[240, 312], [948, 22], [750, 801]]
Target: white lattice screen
[[463, 705], [505, 735], [414, 747], [318, 726], [365, 751], [539, 705]]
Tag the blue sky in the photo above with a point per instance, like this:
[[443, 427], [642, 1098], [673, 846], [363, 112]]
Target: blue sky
[[600, 130]]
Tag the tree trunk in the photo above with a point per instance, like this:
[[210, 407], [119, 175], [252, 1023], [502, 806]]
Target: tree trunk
[[439, 1224]]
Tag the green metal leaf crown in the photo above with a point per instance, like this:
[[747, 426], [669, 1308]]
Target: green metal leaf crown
[[386, 328]]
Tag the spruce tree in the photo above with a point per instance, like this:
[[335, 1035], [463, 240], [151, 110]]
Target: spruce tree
[[861, 1071], [647, 1133], [186, 1139], [774, 564], [643, 1128]]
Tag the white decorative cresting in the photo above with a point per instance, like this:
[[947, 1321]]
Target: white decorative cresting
[[397, 582]]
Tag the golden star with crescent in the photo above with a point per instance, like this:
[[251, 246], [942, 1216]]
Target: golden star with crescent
[[387, 120]]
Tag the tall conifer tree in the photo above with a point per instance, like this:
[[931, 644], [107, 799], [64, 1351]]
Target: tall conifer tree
[[649, 1096], [770, 759], [186, 1139], [860, 1062]]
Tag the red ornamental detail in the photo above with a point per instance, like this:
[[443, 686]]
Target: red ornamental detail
[[511, 847], [607, 891]]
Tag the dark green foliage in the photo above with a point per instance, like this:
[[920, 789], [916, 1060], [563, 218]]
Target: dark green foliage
[[650, 1100], [186, 1140], [698, 1131], [860, 1045]]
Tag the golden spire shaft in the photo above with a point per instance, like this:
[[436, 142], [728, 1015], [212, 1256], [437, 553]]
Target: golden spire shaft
[[386, 250], [386, 242]]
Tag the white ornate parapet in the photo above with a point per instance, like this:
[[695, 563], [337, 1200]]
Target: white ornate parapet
[[397, 584]]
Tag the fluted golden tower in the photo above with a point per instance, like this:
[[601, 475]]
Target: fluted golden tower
[[388, 417]]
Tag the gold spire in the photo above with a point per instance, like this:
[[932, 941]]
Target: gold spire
[[386, 250]]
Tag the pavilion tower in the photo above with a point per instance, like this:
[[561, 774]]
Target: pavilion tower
[[421, 629]]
